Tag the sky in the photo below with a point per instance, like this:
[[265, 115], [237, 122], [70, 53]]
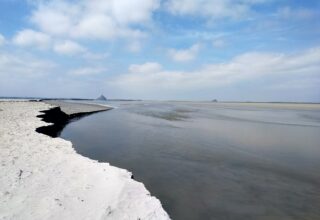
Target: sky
[[230, 50]]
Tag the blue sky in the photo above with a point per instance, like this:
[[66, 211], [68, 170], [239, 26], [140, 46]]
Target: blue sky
[[257, 50]]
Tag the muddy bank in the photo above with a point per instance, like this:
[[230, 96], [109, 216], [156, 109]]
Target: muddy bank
[[59, 119]]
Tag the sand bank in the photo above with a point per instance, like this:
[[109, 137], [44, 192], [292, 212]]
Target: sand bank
[[71, 108], [44, 178], [62, 112]]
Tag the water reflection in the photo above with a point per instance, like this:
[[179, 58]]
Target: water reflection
[[213, 160]]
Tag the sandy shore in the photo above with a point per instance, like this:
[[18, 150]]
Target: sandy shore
[[76, 108], [44, 178]]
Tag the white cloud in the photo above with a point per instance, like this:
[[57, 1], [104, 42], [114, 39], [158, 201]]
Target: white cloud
[[184, 54], [68, 48], [2, 40], [22, 74], [32, 38], [13, 65], [214, 9], [150, 67], [98, 19], [95, 56], [127, 11], [95, 26], [248, 66], [55, 17], [87, 71]]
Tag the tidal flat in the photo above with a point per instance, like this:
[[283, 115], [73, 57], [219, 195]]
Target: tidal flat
[[207, 160]]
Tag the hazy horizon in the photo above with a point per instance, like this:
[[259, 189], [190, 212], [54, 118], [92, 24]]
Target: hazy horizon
[[161, 100]]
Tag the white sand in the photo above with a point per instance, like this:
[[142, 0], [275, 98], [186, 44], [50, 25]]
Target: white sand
[[44, 178]]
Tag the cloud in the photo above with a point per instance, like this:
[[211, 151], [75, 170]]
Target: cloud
[[86, 71], [68, 48], [150, 67], [97, 19], [213, 9], [248, 66], [32, 38], [25, 65], [184, 54], [95, 56], [2, 40]]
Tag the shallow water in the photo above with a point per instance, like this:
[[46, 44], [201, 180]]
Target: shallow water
[[212, 160]]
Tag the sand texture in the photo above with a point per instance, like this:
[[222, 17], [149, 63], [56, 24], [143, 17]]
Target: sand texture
[[44, 178]]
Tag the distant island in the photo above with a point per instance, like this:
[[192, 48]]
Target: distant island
[[102, 98]]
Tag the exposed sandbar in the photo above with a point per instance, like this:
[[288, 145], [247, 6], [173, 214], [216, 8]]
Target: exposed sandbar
[[71, 108]]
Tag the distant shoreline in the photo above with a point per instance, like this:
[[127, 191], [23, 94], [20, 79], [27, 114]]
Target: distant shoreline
[[115, 99]]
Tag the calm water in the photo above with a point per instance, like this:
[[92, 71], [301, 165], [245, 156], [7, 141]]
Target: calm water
[[212, 160]]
